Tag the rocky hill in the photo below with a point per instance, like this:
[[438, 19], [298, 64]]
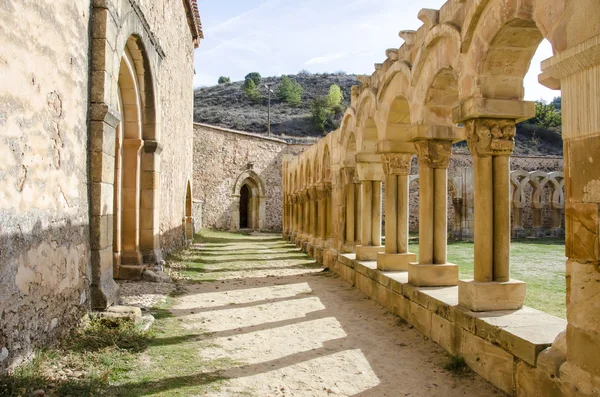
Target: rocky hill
[[227, 105]]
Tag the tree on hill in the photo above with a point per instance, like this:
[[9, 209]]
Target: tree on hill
[[546, 115], [326, 110], [253, 76], [289, 91], [224, 80], [252, 91]]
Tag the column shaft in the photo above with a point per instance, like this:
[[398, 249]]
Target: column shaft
[[501, 166], [350, 213], [425, 213], [376, 217], [391, 214], [403, 213], [357, 212], [440, 216], [367, 212], [484, 219]]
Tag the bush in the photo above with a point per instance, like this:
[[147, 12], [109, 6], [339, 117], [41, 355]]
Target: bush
[[335, 96], [320, 114], [304, 73], [224, 80], [289, 91], [254, 76], [252, 91], [546, 115]]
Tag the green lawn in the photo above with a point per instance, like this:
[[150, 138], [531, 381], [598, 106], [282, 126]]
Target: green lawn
[[540, 263]]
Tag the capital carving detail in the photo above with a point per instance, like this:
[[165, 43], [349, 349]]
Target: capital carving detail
[[349, 174], [434, 153], [312, 193], [491, 137], [396, 163]]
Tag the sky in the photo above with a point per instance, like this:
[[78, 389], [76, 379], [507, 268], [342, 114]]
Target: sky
[[276, 37]]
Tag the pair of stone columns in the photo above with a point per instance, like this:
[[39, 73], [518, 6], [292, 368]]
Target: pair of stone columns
[[353, 209], [396, 257], [370, 174]]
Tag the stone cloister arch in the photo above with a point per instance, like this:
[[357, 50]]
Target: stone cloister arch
[[460, 77], [248, 199], [124, 154]]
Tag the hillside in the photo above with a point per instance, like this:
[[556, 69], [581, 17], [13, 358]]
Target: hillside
[[226, 105]]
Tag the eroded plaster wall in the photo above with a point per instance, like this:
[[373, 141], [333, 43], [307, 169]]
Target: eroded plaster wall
[[220, 156], [44, 222]]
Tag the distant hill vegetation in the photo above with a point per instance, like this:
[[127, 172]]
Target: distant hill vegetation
[[243, 106]]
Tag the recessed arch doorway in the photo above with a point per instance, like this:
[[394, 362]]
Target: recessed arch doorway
[[248, 209]]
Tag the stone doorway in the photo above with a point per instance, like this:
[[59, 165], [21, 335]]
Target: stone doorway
[[245, 197]]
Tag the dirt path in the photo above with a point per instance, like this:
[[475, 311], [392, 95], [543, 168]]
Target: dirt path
[[277, 325]]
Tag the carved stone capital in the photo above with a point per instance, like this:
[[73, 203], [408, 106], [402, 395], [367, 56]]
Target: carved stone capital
[[312, 193], [434, 153], [396, 163], [349, 174], [491, 137]]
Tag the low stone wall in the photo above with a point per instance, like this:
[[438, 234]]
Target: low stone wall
[[221, 156], [507, 348]]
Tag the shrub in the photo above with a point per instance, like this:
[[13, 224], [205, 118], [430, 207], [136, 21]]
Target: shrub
[[546, 115], [252, 91], [304, 73], [320, 113], [224, 80], [254, 76], [335, 96], [289, 91]]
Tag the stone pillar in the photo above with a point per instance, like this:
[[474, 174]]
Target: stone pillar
[[432, 270], [150, 205], [328, 218], [370, 174], [396, 167], [491, 142], [350, 227], [130, 212], [576, 71], [357, 211]]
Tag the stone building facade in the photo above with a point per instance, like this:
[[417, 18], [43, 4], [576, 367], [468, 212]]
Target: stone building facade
[[95, 138], [227, 160]]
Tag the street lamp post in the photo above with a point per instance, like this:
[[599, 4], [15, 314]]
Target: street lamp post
[[269, 91]]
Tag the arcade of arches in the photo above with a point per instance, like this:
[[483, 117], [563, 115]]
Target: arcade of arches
[[460, 77]]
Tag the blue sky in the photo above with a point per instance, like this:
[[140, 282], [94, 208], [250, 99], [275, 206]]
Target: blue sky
[[275, 37]]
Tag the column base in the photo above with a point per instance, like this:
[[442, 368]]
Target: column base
[[445, 275], [395, 262], [348, 247], [490, 296], [368, 252]]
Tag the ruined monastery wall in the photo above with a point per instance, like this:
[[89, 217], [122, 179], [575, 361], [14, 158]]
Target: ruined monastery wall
[[220, 157]]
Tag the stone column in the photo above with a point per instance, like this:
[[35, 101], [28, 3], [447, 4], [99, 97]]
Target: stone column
[[491, 142], [432, 270], [150, 206], [357, 211], [370, 174], [130, 213], [350, 227], [327, 217], [396, 167]]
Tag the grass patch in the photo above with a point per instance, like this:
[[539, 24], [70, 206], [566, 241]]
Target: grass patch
[[540, 263], [456, 365], [83, 364]]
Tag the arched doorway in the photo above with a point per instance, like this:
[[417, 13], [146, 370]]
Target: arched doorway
[[248, 206], [245, 196]]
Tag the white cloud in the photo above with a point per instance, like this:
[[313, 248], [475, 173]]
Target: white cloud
[[326, 59]]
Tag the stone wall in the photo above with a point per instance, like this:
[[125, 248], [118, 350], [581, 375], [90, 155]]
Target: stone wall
[[44, 235], [174, 81], [220, 157], [461, 162], [59, 62]]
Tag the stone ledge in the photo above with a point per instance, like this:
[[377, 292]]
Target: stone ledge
[[514, 334]]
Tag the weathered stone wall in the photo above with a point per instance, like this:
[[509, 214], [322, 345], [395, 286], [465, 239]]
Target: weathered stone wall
[[220, 156], [46, 237], [461, 161], [44, 234], [174, 95]]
